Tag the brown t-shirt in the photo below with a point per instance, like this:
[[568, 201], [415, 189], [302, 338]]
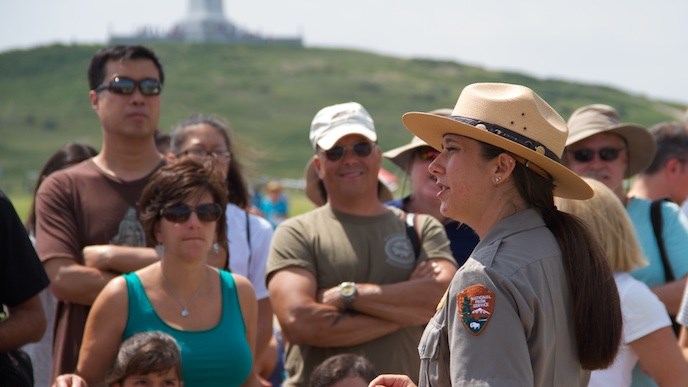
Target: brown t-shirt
[[77, 207]]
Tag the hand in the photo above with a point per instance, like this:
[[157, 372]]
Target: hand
[[96, 256], [392, 381], [331, 297], [70, 380], [426, 269]]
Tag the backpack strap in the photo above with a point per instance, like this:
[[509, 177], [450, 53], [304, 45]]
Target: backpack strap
[[411, 222], [656, 218]]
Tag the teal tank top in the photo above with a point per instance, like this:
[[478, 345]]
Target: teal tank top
[[219, 356]]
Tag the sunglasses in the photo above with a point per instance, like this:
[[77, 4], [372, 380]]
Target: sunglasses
[[428, 154], [361, 149], [587, 155], [210, 212], [127, 86]]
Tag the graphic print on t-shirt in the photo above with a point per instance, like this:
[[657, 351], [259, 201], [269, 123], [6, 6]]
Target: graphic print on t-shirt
[[399, 251], [130, 232]]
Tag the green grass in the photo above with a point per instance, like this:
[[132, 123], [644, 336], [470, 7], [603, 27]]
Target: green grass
[[268, 93]]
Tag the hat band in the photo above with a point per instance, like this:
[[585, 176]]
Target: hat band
[[510, 135]]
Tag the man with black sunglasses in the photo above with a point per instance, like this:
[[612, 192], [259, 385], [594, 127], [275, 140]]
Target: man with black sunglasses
[[87, 229], [601, 147], [344, 278]]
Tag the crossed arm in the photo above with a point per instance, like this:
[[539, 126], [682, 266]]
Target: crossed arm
[[317, 317], [80, 284]]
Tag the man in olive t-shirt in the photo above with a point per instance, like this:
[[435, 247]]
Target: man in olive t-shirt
[[344, 278]]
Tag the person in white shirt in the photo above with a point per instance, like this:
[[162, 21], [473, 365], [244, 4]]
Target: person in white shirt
[[647, 336]]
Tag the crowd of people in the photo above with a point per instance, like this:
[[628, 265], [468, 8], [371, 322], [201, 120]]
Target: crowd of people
[[525, 250]]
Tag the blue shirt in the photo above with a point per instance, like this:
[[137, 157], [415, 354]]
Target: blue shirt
[[675, 235]]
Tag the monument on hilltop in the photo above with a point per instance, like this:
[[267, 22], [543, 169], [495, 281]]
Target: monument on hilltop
[[205, 22]]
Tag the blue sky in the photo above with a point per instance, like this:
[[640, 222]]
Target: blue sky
[[638, 46]]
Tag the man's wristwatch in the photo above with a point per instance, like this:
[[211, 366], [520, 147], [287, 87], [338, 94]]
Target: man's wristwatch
[[347, 291]]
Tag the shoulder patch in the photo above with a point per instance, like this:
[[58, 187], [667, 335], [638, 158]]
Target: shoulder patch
[[475, 304]]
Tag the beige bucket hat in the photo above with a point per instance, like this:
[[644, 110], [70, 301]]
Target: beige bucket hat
[[401, 156], [511, 117], [593, 119]]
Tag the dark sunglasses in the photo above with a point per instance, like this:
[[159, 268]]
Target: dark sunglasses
[[428, 154], [126, 86], [587, 155], [361, 149], [210, 212]]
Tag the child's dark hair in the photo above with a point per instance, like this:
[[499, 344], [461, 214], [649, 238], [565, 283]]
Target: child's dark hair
[[339, 367], [145, 353]]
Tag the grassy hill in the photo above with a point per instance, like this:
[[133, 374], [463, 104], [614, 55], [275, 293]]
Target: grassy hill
[[268, 93]]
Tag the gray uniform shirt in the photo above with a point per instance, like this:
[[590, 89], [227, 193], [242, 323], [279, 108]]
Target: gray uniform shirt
[[507, 317]]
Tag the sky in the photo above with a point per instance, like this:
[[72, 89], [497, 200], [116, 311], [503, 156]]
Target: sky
[[637, 46]]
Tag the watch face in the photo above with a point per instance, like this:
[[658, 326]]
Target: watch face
[[347, 289]]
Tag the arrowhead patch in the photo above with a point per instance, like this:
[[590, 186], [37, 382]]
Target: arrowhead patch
[[475, 304]]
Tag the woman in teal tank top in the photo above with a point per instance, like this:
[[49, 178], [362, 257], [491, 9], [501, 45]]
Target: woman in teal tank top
[[211, 313]]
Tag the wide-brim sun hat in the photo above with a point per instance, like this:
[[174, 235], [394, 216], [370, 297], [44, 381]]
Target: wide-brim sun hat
[[402, 155], [594, 119], [510, 117]]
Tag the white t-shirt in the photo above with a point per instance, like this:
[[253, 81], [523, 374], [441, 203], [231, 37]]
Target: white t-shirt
[[249, 261], [643, 313]]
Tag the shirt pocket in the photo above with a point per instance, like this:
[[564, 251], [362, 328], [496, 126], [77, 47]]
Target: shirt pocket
[[434, 354]]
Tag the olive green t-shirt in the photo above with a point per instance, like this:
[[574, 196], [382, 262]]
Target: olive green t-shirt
[[338, 247]]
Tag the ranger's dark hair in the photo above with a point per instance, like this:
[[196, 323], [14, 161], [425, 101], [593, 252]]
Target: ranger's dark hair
[[591, 281]]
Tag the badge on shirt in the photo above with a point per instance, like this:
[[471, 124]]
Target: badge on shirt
[[475, 305]]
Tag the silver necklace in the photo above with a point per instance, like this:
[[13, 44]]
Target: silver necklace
[[185, 307]]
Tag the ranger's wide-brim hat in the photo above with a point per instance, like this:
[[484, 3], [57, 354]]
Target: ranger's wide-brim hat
[[510, 117], [593, 119]]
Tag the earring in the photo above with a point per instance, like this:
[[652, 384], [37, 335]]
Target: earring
[[216, 247], [160, 250]]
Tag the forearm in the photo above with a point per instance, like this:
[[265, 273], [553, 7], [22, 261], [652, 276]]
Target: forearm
[[325, 326], [120, 259], [77, 283], [670, 294], [26, 324], [406, 303], [264, 326]]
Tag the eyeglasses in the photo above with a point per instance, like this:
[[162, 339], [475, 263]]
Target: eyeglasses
[[361, 149], [220, 155], [126, 86], [427, 154], [210, 212], [587, 155]]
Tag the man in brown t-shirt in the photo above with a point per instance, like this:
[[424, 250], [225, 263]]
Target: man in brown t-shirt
[[87, 229]]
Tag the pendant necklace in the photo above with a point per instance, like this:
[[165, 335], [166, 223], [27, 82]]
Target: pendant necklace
[[185, 308]]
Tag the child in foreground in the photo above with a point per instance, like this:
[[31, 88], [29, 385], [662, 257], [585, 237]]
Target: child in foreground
[[144, 359]]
